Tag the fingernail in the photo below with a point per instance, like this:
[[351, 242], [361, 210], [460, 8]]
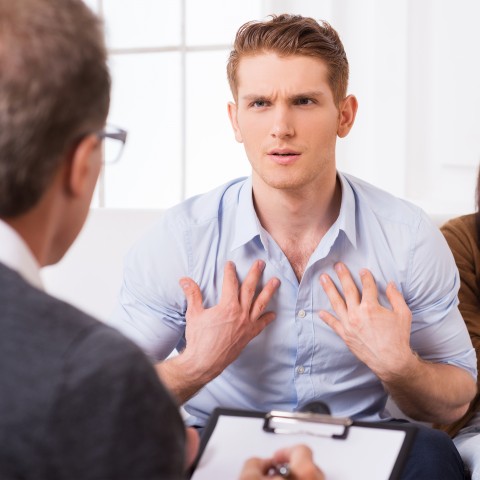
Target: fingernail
[[363, 272], [338, 267], [393, 285], [275, 282], [184, 283], [261, 265], [323, 279]]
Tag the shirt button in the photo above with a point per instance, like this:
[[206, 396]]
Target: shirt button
[[302, 313], [301, 369]]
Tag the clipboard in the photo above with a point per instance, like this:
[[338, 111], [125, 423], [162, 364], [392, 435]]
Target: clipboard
[[342, 448]]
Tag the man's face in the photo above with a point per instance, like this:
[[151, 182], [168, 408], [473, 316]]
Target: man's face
[[286, 118]]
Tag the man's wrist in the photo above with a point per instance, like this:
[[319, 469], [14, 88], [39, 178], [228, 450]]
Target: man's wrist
[[186, 370], [182, 381], [404, 369]]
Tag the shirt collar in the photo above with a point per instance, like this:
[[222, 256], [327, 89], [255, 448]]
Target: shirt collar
[[346, 220], [247, 225], [15, 254]]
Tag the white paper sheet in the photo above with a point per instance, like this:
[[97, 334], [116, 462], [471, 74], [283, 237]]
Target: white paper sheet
[[366, 453]]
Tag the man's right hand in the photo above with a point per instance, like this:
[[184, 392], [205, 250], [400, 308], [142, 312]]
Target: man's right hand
[[216, 336], [299, 459]]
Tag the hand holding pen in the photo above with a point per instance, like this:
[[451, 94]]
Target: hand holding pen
[[294, 463]]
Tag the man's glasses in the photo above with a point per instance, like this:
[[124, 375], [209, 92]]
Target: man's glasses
[[114, 139]]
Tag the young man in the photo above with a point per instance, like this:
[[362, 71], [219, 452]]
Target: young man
[[371, 266], [78, 400]]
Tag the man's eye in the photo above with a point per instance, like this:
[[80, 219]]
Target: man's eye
[[304, 101], [259, 103]]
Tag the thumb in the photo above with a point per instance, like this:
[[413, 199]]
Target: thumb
[[191, 446], [193, 295]]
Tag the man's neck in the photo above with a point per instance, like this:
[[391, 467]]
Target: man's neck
[[298, 220], [39, 226], [298, 214], [16, 254]]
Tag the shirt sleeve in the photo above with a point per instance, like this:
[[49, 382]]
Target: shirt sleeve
[[112, 418], [151, 305], [438, 330]]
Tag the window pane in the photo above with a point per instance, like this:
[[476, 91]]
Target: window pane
[[455, 80], [216, 21], [142, 23], [146, 102], [213, 155]]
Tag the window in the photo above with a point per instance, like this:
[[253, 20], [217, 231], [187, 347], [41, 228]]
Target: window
[[416, 133]]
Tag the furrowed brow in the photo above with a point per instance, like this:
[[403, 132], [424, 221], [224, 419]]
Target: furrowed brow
[[312, 94], [251, 97]]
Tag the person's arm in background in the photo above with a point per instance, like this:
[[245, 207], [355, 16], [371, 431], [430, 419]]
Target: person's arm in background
[[461, 237], [299, 459], [461, 240]]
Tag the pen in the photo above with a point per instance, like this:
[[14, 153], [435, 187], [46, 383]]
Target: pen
[[282, 470]]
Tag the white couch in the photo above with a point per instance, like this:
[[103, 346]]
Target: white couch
[[90, 274]]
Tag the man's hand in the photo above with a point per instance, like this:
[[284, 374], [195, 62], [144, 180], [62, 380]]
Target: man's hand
[[216, 336], [378, 336], [299, 459], [192, 446]]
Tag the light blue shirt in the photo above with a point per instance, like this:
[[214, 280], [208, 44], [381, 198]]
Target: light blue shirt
[[297, 358]]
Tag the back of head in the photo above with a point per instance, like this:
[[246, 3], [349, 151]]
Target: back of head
[[54, 87], [292, 35]]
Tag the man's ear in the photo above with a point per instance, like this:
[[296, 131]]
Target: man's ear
[[79, 173], [232, 114], [347, 112]]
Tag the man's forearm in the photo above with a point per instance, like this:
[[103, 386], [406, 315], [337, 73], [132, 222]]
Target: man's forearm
[[431, 392], [182, 377], [216, 336]]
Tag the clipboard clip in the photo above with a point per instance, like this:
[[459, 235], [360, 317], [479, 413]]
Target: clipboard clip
[[305, 423]]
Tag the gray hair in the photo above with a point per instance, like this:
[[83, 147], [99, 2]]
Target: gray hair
[[54, 88]]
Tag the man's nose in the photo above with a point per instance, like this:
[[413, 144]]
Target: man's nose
[[282, 125]]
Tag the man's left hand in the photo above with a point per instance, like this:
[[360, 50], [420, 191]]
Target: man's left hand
[[378, 336]]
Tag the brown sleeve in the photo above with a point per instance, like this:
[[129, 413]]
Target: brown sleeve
[[460, 234]]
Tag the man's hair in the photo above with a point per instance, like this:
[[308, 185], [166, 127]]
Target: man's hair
[[54, 88], [288, 35]]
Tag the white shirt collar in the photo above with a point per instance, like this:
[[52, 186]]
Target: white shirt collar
[[15, 254]]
